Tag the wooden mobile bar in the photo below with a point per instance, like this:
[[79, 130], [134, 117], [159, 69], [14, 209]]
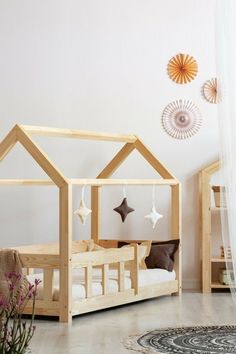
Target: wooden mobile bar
[[64, 255], [77, 134], [90, 182]]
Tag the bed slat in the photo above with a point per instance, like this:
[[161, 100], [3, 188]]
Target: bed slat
[[105, 278], [88, 281], [47, 284], [134, 268], [121, 276]]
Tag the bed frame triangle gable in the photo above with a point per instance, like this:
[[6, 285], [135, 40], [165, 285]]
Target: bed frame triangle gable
[[8, 143], [18, 134]]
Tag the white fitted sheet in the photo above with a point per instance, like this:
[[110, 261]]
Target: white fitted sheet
[[146, 277]]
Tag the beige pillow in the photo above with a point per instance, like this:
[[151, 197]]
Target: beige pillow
[[144, 250], [83, 245], [96, 247]]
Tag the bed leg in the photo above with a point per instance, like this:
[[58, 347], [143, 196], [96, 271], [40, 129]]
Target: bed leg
[[178, 293], [66, 318], [65, 248]]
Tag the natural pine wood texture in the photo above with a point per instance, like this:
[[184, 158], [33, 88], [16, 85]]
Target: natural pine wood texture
[[26, 182], [40, 157], [134, 267], [106, 256], [35, 260], [95, 216], [105, 279], [117, 160], [88, 281], [182, 68], [205, 229], [89, 182], [88, 260], [205, 224], [122, 181], [67, 253], [125, 297], [7, 143], [43, 308], [176, 230], [217, 285], [121, 276], [153, 161], [78, 134], [48, 284]]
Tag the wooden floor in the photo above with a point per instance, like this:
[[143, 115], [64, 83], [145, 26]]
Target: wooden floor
[[102, 332]]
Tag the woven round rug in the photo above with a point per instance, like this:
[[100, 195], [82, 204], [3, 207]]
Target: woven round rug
[[191, 340]]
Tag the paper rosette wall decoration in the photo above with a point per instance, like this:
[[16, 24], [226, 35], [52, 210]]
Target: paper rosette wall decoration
[[181, 119], [210, 90], [182, 68]]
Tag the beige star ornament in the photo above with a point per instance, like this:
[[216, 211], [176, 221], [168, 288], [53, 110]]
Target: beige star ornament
[[154, 216], [82, 212]]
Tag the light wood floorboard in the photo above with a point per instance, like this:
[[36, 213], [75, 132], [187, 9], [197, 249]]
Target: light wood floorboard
[[102, 332]]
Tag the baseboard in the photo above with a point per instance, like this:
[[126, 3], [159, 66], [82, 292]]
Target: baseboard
[[191, 284]]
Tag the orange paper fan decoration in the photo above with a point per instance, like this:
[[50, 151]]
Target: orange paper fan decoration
[[182, 68]]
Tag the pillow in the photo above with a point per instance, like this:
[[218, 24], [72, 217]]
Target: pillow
[[96, 247], [83, 245], [162, 255], [143, 252]]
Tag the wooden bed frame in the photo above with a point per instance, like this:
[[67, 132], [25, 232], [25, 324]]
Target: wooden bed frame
[[64, 255]]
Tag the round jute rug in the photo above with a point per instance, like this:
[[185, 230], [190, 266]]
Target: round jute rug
[[186, 340]]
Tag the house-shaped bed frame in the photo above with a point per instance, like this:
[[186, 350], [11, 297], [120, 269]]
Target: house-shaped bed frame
[[63, 256]]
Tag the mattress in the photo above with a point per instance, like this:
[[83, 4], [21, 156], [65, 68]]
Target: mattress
[[146, 277]]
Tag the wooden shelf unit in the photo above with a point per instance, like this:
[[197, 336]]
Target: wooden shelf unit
[[217, 285], [207, 260], [219, 260]]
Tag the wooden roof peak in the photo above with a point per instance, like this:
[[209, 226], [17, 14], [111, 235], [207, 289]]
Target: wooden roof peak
[[211, 168], [18, 134], [22, 134]]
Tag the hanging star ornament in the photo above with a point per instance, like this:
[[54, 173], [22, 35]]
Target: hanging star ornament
[[123, 209], [154, 216], [83, 211]]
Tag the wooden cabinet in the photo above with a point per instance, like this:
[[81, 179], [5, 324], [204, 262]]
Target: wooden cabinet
[[208, 261]]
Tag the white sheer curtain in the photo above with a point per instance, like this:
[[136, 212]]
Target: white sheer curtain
[[226, 73]]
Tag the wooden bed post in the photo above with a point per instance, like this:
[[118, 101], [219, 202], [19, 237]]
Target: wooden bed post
[[65, 253], [176, 230], [204, 179], [95, 216]]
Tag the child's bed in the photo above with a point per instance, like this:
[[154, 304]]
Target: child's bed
[[59, 294], [100, 278]]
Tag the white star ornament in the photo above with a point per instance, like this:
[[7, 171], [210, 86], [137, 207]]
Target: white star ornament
[[82, 212], [154, 216]]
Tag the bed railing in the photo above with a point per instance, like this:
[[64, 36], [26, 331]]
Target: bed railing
[[46, 258], [105, 259], [120, 259]]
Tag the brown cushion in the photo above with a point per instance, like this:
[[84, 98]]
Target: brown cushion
[[162, 255]]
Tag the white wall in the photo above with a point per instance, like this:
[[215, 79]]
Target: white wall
[[101, 65]]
